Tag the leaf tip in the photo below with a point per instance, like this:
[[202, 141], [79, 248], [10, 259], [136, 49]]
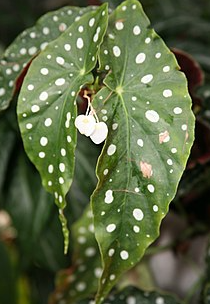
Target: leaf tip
[[65, 230]]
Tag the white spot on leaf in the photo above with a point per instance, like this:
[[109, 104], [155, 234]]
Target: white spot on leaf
[[111, 252], [136, 30], [30, 87], [140, 58], [109, 197], [44, 71], [50, 169], [114, 126], [177, 110], [60, 81], [62, 167], [60, 60], [119, 25], [67, 47], [106, 171], [41, 154], [35, 108], [43, 141], [151, 188], [111, 149], [138, 214], [124, 255], [136, 229], [166, 69], [43, 96], [147, 78], [110, 228], [152, 116], [155, 208], [184, 127], [140, 142], [91, 22], [169, 162], [80, 43], [116, 51], [29, 126], [48, 122], [167, 93]]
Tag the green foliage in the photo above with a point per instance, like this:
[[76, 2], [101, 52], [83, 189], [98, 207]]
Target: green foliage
[[131, 295], [133, 86], [7, 280], [81, 279], [47, 103], [28, 44], [148, 144]]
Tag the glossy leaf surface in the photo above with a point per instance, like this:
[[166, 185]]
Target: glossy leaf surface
[[29, 43], [148, 110], [47, 102]]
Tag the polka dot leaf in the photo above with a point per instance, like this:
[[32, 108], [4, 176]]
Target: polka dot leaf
[[81, 279], [133, 295], [29, 43], [147, 108], [47, 102]]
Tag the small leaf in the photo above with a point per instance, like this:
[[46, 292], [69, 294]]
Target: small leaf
[[147, 108], [81, 280], [47, 103], [29, 43]]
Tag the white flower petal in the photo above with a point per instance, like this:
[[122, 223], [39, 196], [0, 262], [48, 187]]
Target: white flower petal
[[85, 124], [100, 133]]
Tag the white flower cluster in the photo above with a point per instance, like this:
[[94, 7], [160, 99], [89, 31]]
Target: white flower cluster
[[90, 126]]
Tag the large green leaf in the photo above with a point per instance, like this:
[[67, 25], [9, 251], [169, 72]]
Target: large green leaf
[[29, 43], [148, 111], [47, 102]]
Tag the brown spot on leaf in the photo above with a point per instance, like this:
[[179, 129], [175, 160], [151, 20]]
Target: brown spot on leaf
[[164, 137], [146, 169]]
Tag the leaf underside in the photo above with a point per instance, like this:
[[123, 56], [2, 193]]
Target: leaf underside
[[148, 111], [47, 102], [29, 43]]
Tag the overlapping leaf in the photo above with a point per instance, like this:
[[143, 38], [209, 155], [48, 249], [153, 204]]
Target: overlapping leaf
[[81, 280], [148, 110], [29, 43], [47, 102], [133, 295]]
